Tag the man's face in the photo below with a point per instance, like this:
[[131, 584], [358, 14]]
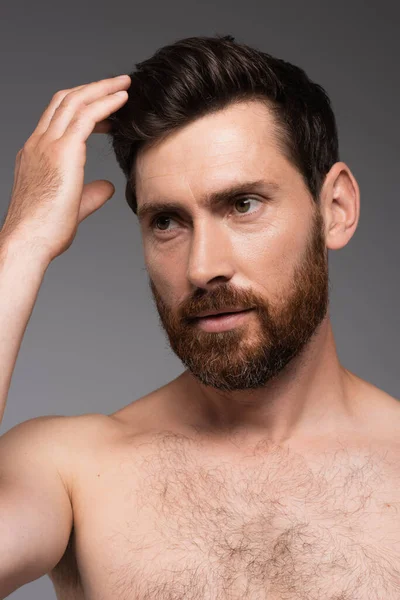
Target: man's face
[[264, 249]]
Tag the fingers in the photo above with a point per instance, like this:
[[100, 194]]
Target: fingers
[[46, 117], [60, 100], [84, 120], [76, 104]]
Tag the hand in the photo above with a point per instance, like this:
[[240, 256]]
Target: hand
[[49, 198]]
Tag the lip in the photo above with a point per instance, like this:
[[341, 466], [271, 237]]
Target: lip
[[220, 312], [222, 322]]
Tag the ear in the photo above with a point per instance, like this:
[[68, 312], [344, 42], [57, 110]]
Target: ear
[[340, 205]]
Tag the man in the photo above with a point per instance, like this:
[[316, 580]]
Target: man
[[266, 469]]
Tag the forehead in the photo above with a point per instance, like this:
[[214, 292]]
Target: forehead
[[217, 149]]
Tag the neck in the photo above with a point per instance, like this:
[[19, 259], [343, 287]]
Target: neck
[[311, 397]]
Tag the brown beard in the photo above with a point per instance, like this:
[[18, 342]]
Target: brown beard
[[226, 360]]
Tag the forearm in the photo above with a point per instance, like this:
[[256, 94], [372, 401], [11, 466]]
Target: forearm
[[22, 269]]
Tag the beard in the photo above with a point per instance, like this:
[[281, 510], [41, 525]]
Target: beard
[[236, 359]]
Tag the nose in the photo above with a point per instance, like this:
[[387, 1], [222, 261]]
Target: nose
[[211, 254]]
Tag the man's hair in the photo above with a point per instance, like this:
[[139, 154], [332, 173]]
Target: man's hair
[[196, 76]]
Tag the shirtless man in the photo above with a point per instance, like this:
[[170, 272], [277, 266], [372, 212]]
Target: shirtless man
[[266, 470]]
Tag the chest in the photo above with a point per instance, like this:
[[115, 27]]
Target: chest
[[169, 522]]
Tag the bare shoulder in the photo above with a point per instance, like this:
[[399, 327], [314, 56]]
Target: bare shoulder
[[53, 432], [71, 441], [58, 439], [379, 415], [149, 412]]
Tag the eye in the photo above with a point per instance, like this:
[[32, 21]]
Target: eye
[[156, 220], [232, 202], [243, 200]]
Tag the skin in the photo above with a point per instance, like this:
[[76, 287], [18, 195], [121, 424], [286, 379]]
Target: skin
[[271, 253], [179, 510]]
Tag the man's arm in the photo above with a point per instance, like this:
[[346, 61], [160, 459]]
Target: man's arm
[[22, 269], [36, 513], [48, 201]]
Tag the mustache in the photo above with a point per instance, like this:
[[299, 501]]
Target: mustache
[[222, 300]]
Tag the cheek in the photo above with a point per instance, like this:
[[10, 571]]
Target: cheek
[[155, 264], [270, 256], [164, 278]]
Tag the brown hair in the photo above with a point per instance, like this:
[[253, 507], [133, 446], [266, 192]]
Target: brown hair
[[199, 75]]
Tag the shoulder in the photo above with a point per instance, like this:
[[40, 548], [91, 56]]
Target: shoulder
[[61, 440]]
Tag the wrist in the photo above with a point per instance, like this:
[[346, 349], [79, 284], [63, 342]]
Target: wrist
[[30, 250]]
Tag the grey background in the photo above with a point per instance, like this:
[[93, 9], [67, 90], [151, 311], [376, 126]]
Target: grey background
[[93, 343]]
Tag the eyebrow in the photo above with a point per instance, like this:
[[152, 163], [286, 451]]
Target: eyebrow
[[150, 208]]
